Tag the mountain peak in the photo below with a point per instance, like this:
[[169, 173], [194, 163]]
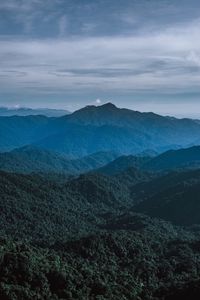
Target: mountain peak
[[108, 105]]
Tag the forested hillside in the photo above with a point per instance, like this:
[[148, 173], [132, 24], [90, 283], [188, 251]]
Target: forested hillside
[[123, 163], [174, 197], [81, 239], [31, 159], [175, 159], [90, 211]]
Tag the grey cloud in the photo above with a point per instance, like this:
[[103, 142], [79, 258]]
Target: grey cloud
[[159, 60]]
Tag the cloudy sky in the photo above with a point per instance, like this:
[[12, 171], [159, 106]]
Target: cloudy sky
[[141, 54]]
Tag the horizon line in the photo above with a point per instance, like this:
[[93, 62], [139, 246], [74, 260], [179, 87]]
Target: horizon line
[[175, 115]]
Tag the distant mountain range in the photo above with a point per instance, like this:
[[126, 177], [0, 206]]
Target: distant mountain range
[[25, 111], [95, 129]]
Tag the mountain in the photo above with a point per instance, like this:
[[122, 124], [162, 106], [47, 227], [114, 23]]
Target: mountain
[[174, 159], [173, 197], [95, 129], [32, 159], [122, 163], [109, 114], [79, 140], [146, 123], [108, 128], [24, 111]]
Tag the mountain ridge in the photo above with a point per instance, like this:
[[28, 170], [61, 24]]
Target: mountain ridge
[[31, 159], [174, 159], [26, 111], [99, 128]]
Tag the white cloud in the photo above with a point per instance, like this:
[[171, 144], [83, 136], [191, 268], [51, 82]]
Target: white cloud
[[17, 106], [98, 101]]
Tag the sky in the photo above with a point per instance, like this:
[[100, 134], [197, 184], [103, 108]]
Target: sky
[[139, 54]]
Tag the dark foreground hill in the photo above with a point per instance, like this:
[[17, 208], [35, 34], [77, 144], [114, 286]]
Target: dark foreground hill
[[149, 260], [42, 209], [78, 239], [173, 197], [41, 206]]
